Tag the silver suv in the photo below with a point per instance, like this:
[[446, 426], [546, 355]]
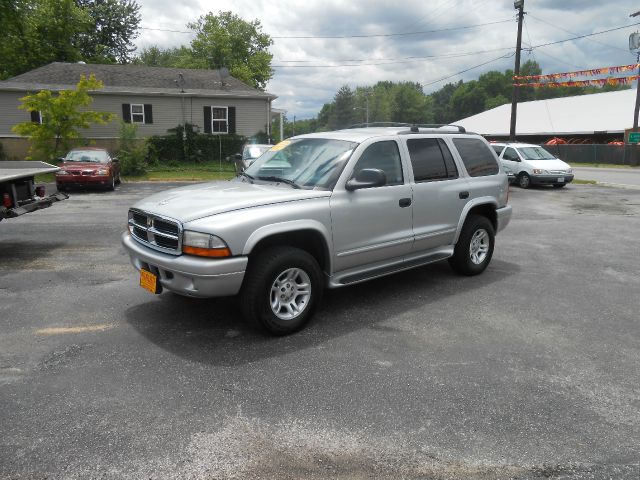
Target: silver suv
[[324, 210]]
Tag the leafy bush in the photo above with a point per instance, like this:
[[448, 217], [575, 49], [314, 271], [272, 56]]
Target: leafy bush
[[133, 152], [3, 156], [185, 144]]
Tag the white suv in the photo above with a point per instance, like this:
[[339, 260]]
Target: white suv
[[532, 165]]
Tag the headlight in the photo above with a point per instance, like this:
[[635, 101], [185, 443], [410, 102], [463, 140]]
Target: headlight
[[62, 172], [103, 171], [538, 171], [569, 170], [204, 245]]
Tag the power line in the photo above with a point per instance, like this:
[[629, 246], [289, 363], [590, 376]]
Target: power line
[[329, 37], [468, 69], [585, 36], [386, 61], [573, 33]]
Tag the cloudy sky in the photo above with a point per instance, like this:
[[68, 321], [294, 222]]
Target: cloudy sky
[[432, 42]]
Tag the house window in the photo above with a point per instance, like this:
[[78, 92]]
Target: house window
[[219, 120], [36, 116], [137, 113]]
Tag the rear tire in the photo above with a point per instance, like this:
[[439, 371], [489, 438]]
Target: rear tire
[[281, 290], [524, 180], [474, 249]]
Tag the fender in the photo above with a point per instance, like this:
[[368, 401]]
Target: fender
[[476, 202], [292, 226]]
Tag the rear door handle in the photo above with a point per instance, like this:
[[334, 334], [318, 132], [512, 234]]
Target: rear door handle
[[404, 202], [463, 195]]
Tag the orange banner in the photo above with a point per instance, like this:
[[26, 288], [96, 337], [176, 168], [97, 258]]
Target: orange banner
[[581, 73], [583, 83]]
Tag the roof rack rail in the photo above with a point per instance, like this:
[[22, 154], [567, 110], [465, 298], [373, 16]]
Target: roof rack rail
[[415, 128], [380, 124]]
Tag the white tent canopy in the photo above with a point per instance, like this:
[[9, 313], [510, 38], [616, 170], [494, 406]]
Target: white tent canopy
[[609, 112]]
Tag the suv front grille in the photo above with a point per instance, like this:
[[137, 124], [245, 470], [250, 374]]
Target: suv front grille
[[160, 233]]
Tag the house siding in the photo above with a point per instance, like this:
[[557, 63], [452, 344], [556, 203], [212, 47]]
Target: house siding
[[251, 114]]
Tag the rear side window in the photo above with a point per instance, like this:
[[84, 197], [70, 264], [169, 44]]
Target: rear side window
[[476, 156], [431, 159]]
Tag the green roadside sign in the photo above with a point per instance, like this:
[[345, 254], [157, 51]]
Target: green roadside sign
[[634, 137]]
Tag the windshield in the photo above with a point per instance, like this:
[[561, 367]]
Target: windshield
[[306, 162], [94, 156], [254, 151], [535, 153]]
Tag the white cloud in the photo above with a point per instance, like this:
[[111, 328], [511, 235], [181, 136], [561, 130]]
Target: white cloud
[[303, 91]]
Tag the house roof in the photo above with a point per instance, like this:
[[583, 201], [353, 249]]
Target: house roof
[[609, 112], [134, 79]]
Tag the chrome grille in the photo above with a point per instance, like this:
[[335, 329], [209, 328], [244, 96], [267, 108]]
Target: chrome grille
[[161, 233]]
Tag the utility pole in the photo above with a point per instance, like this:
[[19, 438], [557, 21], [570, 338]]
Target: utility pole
[[633, 45], [518, 5]]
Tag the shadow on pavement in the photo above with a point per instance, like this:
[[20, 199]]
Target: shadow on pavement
[[212, 331]]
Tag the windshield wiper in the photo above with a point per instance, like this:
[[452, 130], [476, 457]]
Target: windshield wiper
[[282, 180], [242, 174]]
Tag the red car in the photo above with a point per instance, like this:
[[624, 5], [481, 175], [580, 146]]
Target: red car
[[86, 167]]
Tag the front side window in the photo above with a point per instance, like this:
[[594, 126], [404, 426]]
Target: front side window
[[498, 149], [384, 156], [137, 113], [510, 154], [431, 159], [219, 120], [476, 156], [311, 163]]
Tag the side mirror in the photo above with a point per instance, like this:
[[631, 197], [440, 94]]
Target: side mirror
[[115, 160], [60, 159], [367, 178], [238, 156]]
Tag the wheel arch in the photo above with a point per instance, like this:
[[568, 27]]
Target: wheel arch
[[306, 235], [485, 207]]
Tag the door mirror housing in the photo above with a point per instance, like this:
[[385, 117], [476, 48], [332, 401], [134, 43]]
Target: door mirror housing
[[367, 178]]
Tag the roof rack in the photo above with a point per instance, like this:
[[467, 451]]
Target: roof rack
[[380, 124], [413, 127]]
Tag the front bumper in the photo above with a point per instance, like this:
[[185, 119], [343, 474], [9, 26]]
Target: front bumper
[[558, 179], [32, 206], [503, 216], [188, 275], [83, 180]]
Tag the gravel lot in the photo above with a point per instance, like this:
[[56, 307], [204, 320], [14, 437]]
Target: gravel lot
[[528, 371]]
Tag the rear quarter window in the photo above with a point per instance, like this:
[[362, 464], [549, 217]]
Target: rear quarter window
[[478, 159]]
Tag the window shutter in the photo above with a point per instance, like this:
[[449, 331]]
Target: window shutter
[[207, 119], [126, 112], [232, 119], [148, 113], [35, 116]]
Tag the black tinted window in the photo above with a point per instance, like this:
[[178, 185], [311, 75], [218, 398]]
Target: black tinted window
[[498, 149], [384, 156], [476, 156], [431, 159], [510, 154]]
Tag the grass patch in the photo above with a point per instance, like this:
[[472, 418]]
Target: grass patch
[[584, 182], [186, 172], [45, 178], [601, 165]]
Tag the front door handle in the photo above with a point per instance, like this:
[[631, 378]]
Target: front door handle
[[463, 195], [404, 202]]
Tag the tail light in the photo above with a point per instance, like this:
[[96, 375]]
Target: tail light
[[6, 201], [40, 191]]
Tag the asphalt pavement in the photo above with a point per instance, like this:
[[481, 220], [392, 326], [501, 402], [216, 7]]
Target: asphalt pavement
[[528, 371], [616, 177]]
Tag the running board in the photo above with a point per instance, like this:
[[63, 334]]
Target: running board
[[358, 277]]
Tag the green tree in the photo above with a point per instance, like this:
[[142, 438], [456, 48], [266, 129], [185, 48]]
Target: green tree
[[113, 27], [409, 104], [343, 113], [176, 57], [63, 114], [226, 40]]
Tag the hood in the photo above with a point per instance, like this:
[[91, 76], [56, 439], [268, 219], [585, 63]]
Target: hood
[[205, 199], [555, 164]]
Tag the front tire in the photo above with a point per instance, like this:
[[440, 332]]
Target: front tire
[[282, 288], [524, 180], [474, 249], [112, 185]]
